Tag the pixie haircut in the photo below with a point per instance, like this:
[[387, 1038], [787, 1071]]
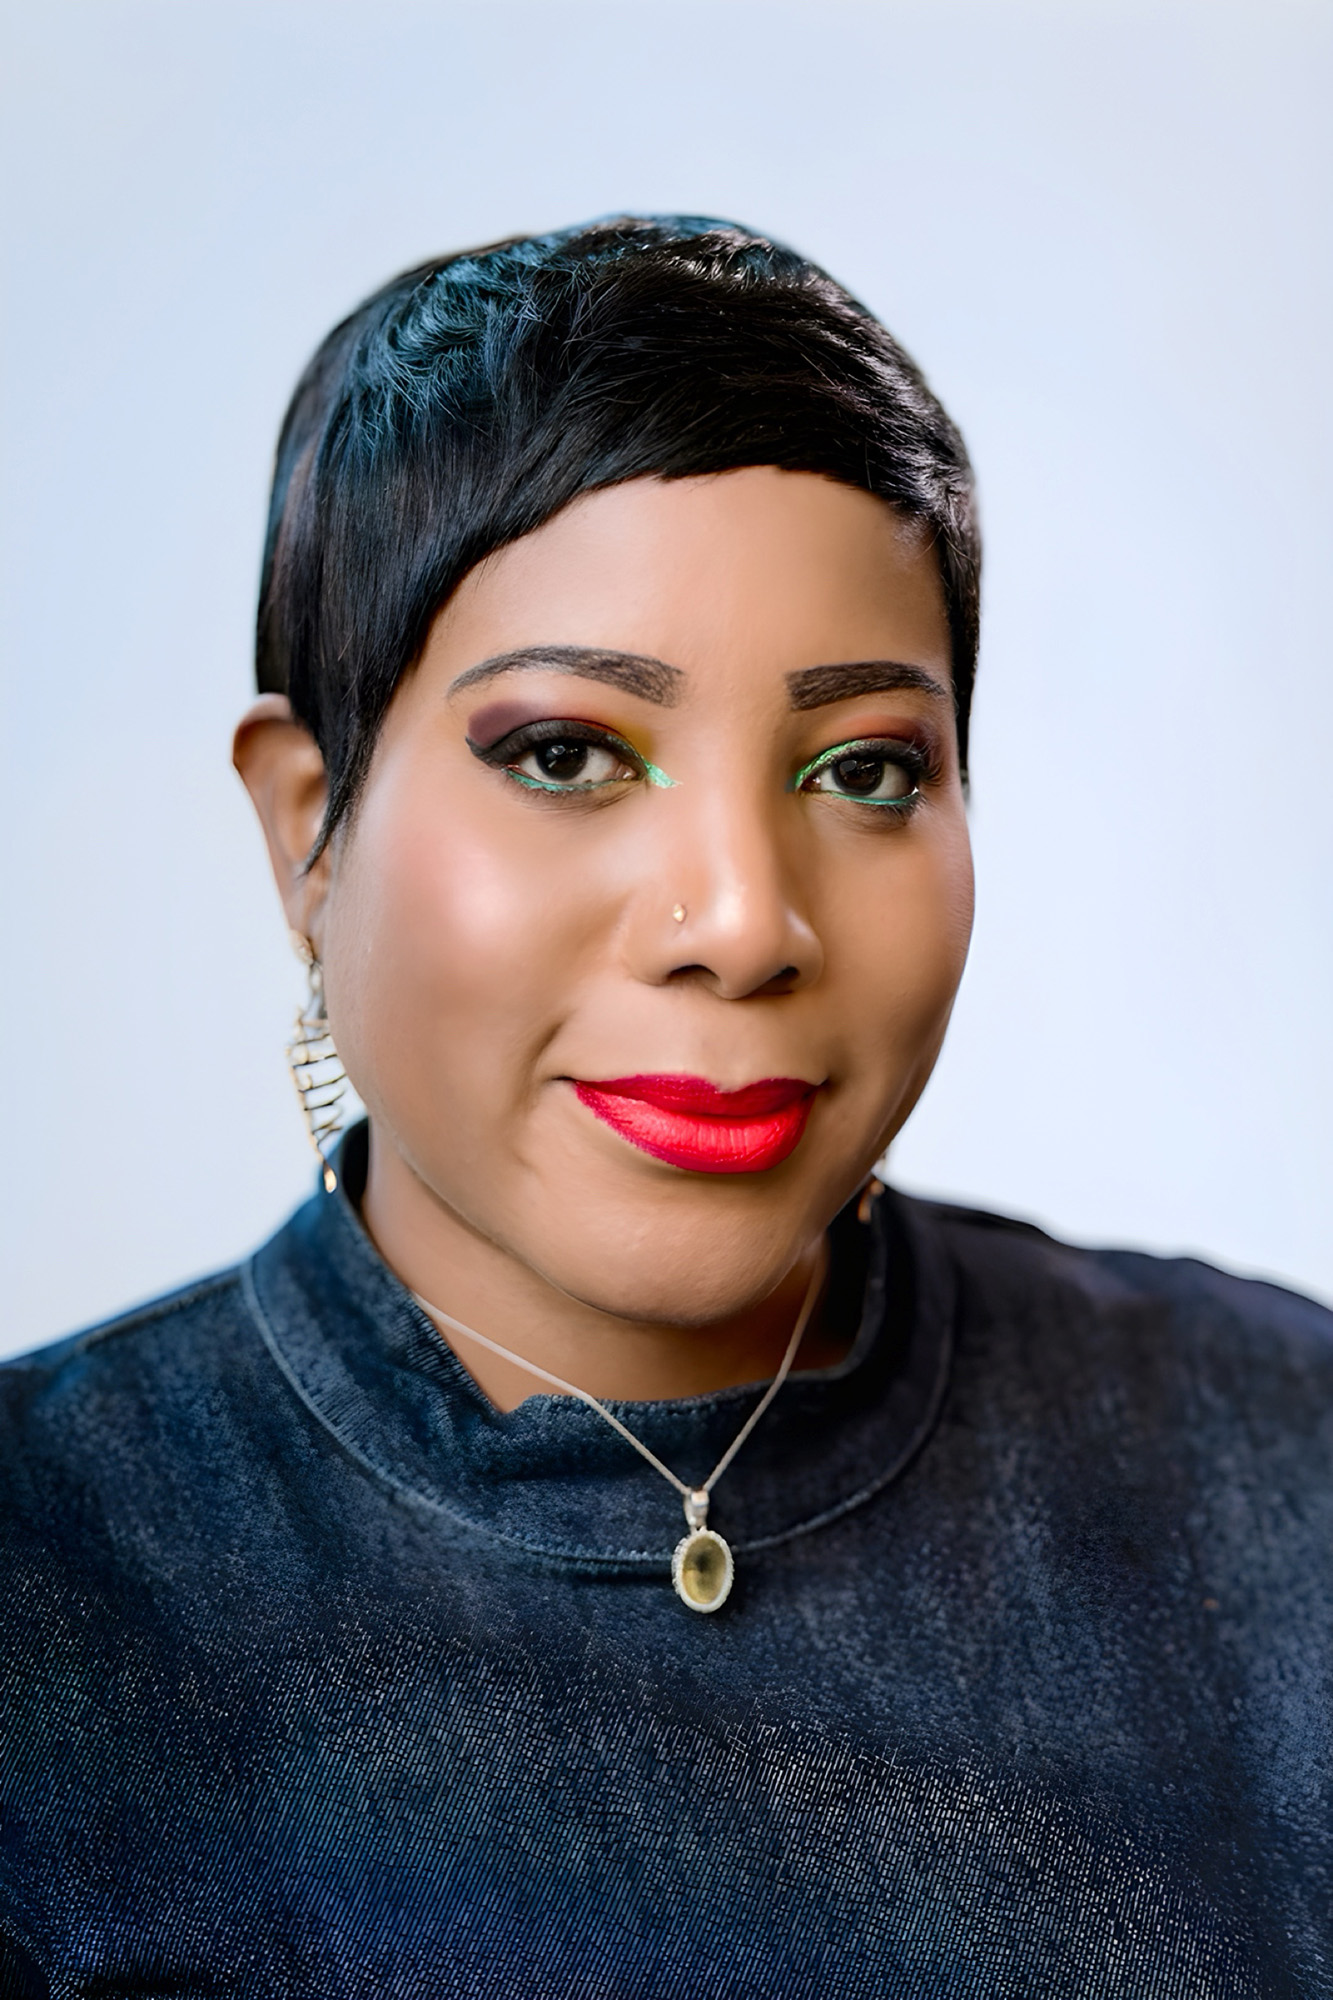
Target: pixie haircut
[[473, 397]]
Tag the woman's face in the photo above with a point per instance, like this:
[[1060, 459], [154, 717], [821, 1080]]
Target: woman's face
[[671, 802]]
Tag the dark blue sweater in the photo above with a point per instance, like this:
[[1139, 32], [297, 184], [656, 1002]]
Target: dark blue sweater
[[322, 1679]]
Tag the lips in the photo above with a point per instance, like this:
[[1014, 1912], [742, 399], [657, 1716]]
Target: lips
[[689, 1122]]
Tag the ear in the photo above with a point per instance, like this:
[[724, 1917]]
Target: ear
[[282, 770]]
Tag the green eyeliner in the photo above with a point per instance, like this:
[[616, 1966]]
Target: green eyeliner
[[540, 784], [884, 752], [651, 772], [824, 757]]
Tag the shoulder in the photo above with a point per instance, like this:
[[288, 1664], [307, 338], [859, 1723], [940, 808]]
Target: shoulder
[[126, 1341], [89, 1399], [1166, 1343], [1015, 1266]]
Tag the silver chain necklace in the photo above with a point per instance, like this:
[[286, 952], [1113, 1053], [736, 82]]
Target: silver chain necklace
[[702, 1568]]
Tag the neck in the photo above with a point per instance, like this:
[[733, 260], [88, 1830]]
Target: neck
[[438, 1254]]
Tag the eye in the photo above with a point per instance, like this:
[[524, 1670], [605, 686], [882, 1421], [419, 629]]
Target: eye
[[566, 764], [875, 772], [569, 757]]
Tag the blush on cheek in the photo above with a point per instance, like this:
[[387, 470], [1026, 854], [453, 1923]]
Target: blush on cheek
[[457, 934], [459, 927], [907, 971], [943, 928], [942, 923]]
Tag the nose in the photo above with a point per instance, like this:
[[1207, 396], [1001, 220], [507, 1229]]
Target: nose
[[721, 903]]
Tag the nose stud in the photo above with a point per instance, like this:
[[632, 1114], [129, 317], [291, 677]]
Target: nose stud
[[678, 912]]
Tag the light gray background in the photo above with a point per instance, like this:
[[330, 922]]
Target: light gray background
[[1104, 231]]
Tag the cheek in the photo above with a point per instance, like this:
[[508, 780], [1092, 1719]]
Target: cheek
[[903, 968], [910, 957], [444, 956], [945, 902]]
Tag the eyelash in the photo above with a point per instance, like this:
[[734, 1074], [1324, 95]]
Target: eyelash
[[502, 756], [913, 758]]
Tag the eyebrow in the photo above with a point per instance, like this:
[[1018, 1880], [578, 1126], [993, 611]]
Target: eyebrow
[[634, 673], [815, 687], [655, 681]]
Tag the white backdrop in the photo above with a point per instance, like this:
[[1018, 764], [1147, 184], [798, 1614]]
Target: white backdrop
[[1104, 231]]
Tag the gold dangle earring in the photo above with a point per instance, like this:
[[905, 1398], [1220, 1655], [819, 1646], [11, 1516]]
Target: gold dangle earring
[[316, 1067], [870, 1194]]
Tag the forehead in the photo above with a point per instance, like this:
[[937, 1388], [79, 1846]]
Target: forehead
[[753, 573]]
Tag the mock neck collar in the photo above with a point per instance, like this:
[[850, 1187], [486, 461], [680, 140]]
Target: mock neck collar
[[550, 1476]]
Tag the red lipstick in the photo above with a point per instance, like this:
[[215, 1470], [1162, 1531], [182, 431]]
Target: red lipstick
[[689, 1122]]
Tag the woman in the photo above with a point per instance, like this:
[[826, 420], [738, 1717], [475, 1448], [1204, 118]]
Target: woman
[[441, 1603]]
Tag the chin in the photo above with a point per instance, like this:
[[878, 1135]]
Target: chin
[[671, 1290], [714, 1250]]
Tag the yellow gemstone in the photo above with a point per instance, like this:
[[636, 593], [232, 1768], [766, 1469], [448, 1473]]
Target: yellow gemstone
[[702, 1570]]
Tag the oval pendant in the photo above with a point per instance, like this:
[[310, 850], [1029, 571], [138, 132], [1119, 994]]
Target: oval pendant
[[702, 1570]]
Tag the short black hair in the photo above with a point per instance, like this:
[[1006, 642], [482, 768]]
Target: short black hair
[[474, 396]]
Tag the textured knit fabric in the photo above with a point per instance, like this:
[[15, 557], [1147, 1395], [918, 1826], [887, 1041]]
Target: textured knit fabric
[[321, 1679]]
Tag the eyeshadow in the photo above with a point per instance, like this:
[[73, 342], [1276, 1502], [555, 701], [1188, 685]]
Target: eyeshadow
[[497, 719]]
